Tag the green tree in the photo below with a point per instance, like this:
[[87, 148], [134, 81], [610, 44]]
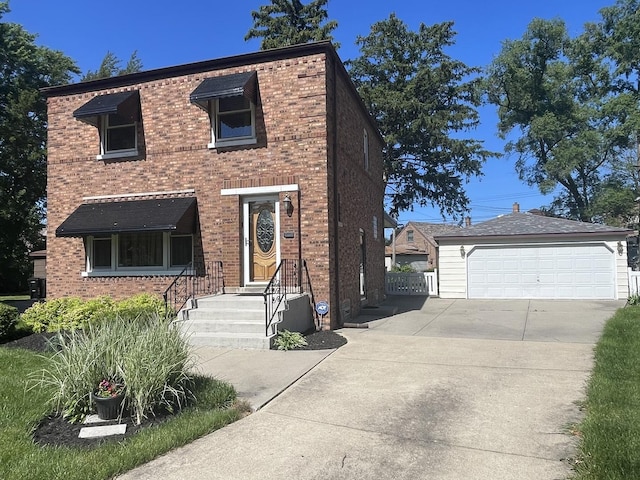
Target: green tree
[[553, 105], [110, 67], [615, 200], [422, 100], [289, 22], [25, 68]]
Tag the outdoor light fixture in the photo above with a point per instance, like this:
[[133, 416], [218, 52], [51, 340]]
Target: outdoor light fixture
[[620, 248], [462, 252], [288, 205]]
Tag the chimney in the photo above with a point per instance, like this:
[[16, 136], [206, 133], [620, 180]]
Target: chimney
[[467, 221], [516, 207]]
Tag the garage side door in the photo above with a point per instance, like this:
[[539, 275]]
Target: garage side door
[[553, 271]]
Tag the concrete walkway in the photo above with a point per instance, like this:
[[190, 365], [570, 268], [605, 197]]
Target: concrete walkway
[[444, 389]]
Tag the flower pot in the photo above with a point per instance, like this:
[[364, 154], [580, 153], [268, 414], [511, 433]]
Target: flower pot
[[108, 408]]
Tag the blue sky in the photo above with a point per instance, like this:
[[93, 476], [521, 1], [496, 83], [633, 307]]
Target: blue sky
[[166, 34]]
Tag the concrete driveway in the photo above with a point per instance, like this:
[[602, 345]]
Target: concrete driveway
[[571, 321], [452, 390]]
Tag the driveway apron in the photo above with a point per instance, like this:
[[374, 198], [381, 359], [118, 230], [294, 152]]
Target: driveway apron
[[451, 389]]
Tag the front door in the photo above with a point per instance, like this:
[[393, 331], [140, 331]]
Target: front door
[[261, 239]]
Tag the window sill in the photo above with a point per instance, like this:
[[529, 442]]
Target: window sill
[[122, 154], [232, 143], [134, 273]]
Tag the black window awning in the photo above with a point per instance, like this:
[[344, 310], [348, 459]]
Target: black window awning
[[234, 85], [164, 215], [124, 104]]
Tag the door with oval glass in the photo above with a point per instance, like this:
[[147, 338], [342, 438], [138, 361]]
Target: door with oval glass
[[261, 239]]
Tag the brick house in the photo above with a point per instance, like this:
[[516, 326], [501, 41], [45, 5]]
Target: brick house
[[247, 160], [415, 245]]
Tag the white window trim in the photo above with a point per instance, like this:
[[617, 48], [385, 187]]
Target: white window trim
[[235, 141], [115, 271], [128, 152]]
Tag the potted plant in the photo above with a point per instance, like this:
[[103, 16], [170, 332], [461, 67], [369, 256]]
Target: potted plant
[[108, 398]]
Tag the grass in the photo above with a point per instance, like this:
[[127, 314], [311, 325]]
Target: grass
[[4, 298], [22, 409], [610, 446]]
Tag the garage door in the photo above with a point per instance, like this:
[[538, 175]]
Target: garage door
[[554, 271]]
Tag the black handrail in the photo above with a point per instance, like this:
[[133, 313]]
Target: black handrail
[[312, 299], [205, 279], [287, 279]]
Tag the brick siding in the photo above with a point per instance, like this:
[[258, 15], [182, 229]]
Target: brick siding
[[294, 125]]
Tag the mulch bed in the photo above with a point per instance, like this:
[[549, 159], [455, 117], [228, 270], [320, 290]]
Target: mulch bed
[[55, 430], [323, 340]]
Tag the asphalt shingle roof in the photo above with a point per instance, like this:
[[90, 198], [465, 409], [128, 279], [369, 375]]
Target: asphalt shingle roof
[[528, 224]]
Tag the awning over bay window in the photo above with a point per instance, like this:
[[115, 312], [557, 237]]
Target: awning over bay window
[[162, 215], [124, 104], [234, 85]]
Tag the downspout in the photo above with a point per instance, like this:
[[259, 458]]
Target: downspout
[[336, 207]]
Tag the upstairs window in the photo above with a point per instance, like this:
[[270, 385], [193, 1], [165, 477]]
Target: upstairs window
[[230, 101], [409, 236], [119, 135], [116, 115], [232, 118]]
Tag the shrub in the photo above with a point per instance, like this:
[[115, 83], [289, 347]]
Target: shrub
[[73, 313], [8, 320], [143, 304], [150, 356], [49, 316], [287, 340], [403, 269]]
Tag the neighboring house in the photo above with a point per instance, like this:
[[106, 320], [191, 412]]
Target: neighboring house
[[522, 255], [415, 245], [248, 160]]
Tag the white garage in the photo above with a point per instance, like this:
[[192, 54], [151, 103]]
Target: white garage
[[542, 271], [522, 255]]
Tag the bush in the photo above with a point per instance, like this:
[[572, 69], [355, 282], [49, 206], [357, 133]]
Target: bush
[[403, 269], [73, 313], [8, 320], [148, 355], [143, 304], [287, 340]]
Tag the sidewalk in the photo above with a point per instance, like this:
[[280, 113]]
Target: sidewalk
[[258, 375]]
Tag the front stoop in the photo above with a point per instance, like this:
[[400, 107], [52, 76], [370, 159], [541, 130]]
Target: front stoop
[[230, 321]]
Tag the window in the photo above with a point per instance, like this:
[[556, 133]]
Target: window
[[102, 253], [138, 253], [410, 236], [375, 227], [140, 249], [232, 121], [230, 101], [366, 150], [116, 116], [181, 250], [118, 135]]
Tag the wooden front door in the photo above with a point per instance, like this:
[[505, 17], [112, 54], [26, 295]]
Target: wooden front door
[[262, 240]]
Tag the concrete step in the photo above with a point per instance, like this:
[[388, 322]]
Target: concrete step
[[229, 301], [231, 340], [230, 326], [226, 314], [231, 321]]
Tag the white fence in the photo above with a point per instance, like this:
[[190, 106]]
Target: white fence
[[398, 283], [634, 282]]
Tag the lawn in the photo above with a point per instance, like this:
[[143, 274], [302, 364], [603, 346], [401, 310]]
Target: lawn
[[14, 297], [610, 445], [21, 410]]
